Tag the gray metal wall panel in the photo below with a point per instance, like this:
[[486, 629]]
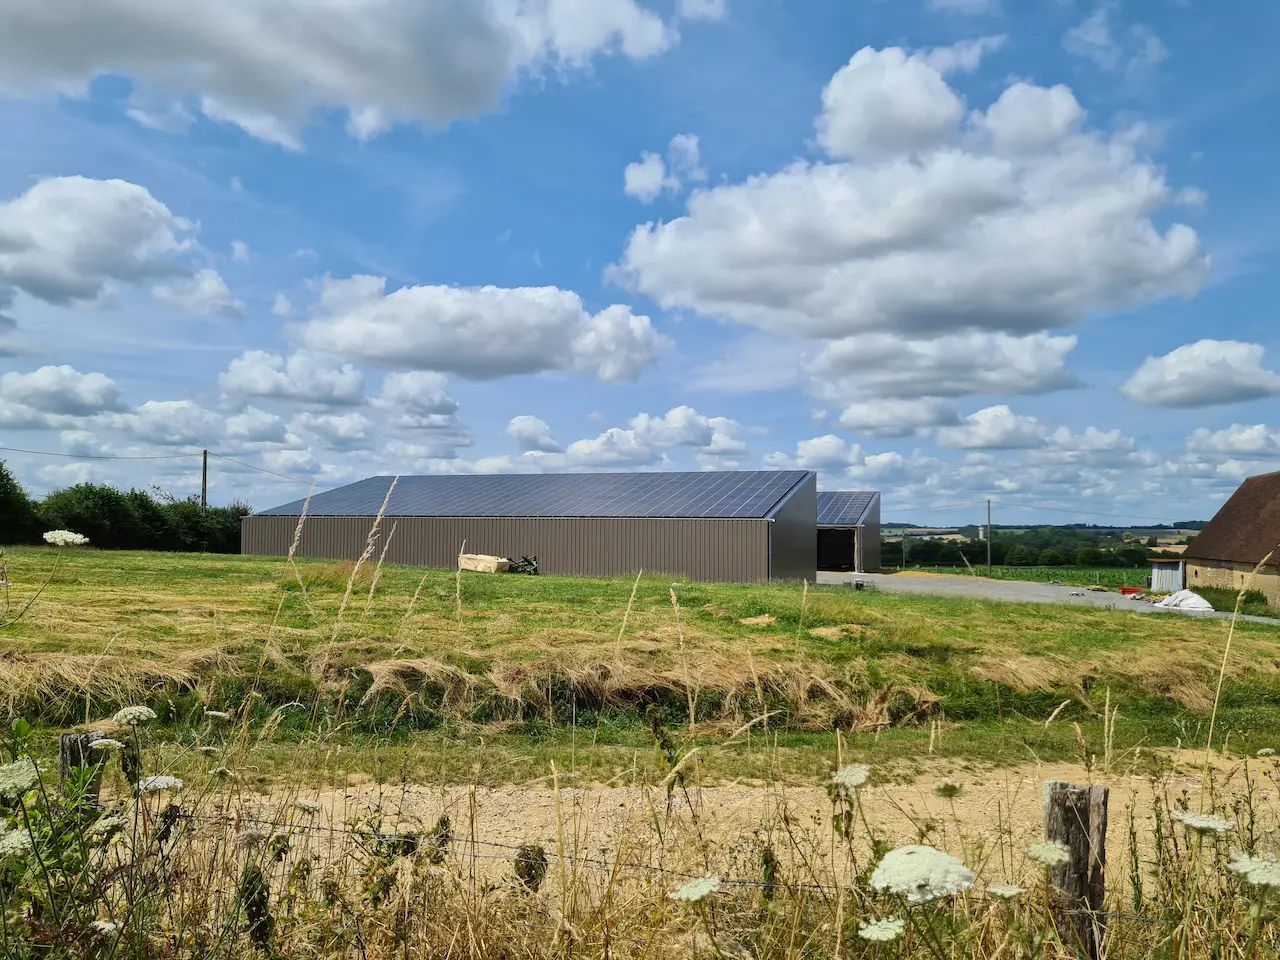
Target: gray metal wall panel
[[868, 550], [723, 550], [792, 543]]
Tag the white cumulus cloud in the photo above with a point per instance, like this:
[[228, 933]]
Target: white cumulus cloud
[[267, 66], [204, 292], [300, 377], [651, 175], [61, 390], [68, 240], [994, 428], [479, 332], [532, 433], [1201, 374]]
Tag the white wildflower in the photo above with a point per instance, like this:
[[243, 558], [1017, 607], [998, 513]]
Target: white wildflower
[[132, 716], [1258, 871], [222, 772], [14, 843], [217, 715], [1005, 891], [209, 751], [306, 806], [17, 778], [921, 874], [696, 890], [851, 776], [882, 931], [65, 538], [158, 783], [103, 928], [1049, 852], [947, 789], [1266, 752], [105, 745], [1203, 822], [104, 828]]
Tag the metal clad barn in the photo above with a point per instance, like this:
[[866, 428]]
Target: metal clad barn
[[728, 525], [849, 530]]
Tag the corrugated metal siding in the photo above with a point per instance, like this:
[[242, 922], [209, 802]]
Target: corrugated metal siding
[[1166, 577], [792, 544], [869, 538], [723, 550]]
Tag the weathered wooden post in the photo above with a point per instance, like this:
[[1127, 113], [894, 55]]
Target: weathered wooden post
[[1076, 817], [74, 753]]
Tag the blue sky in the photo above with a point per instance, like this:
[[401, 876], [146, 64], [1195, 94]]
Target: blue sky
[[950, 249]]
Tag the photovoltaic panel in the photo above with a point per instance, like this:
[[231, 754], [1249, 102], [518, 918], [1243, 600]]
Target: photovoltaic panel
[[709, 494], [842, 508]]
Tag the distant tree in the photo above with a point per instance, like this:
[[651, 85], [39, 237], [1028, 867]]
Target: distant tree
[[1153, 541], [1088, 557], [103, 514], [18, 520], [1020, 555], [1052, 557]]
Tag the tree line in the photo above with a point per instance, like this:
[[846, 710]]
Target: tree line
[[1040, 547], [118, 519]]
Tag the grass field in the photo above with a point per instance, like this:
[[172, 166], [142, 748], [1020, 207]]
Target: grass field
[[419, 666], [1081, 576], [391, 764]]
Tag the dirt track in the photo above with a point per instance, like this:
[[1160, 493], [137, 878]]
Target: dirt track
[[995, 811]]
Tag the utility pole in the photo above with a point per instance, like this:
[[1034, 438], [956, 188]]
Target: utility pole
[[988, 535], [204, 483]]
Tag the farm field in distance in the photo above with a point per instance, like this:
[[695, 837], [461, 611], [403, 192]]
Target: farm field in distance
[[422, 667], [1082, 576]]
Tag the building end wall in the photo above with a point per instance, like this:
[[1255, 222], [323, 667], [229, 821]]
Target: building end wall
[[1234, 576], [793, 547]]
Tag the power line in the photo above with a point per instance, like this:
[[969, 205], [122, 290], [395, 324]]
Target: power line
[[250, 466], [167, 456], [90, 456]]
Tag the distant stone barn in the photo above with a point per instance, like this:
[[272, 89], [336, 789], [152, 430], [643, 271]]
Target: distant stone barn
[[1242, 535]]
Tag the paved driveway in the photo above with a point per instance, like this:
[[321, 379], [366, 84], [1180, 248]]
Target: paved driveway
[[1018, 591]]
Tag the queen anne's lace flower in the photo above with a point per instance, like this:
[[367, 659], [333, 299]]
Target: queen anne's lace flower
[[851, 776], [159, 783], [1266, 752], [17, 778], [65, 538], [222, 772], [1049, 852], [1005, 891], [1258, 871], [104, 828], [14, 843], [105, 745], [1203, 822], [696, 890], [921, 874], [882, 931], [103, 928], [132, 716]]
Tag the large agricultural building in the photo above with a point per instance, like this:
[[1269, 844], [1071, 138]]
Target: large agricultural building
[[1243, 536], [849, 530], [742, 526]]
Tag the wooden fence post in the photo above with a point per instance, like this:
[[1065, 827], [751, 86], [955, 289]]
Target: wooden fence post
[[1076, 817], [74, 754]]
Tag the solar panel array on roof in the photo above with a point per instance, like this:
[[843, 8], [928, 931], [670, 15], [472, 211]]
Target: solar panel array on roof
[[842, 508], [710, 494]]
